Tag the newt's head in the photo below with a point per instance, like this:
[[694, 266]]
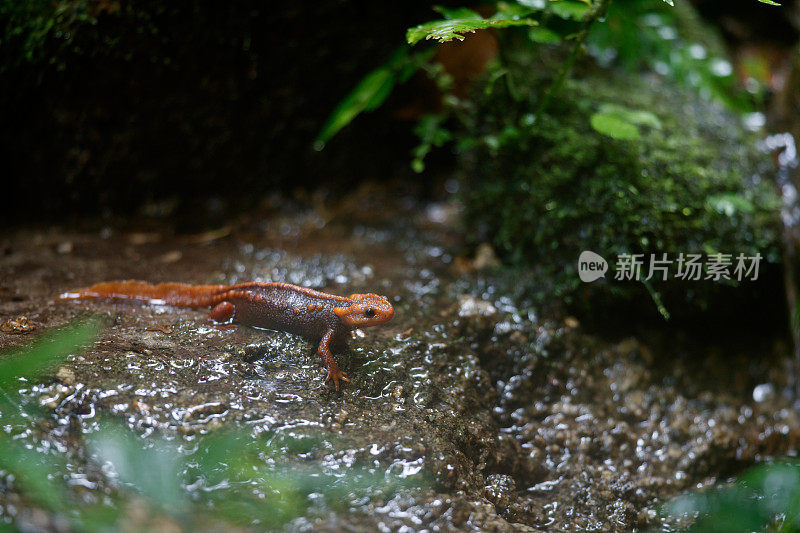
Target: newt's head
[[366, 310]]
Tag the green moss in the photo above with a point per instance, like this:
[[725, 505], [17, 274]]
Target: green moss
[[37, 31], [540, 194]]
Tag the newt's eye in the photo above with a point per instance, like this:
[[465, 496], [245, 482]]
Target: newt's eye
[[369, 312]]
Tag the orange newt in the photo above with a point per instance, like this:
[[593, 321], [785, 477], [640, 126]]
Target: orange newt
[[314, 315]]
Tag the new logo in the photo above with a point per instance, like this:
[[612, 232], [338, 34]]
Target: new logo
[[591, 266]]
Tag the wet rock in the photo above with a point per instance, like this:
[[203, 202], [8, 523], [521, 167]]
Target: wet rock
[[485, 257], [205, 412], [341, 416], [53, 396], [697, 160], [64, 247], [500, 418], [66, 375], [499, 490], [469, 306]]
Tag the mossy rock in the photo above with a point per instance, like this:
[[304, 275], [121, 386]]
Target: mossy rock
[[542, 192]]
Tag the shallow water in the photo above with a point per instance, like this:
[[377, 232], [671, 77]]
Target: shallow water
[[475, 408]]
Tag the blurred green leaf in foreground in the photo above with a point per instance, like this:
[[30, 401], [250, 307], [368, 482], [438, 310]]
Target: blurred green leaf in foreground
[[224, 478], [33, 471], [765, 498], [38, 358]]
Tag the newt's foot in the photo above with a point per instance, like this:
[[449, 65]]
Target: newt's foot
[[336, 375], [221, 326]]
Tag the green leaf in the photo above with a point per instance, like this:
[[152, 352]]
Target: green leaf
[[532, 4], [770, 2], [729, 204], [621, 122], [634, 116], [371, 91], [368, 94], [456, 13], [514, 10], [431, 134], [763, 497], [151, 470], [455, 28], [614, 126], [35, 472], [544, 36], [38, 473], [569, 9], [37, 358]]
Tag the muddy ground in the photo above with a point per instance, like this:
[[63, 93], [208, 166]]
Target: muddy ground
[[506, 414]]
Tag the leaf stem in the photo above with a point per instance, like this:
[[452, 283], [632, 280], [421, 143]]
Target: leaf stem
[[596, 12]]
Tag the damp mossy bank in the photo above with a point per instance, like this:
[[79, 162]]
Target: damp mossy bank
[[541, 191]]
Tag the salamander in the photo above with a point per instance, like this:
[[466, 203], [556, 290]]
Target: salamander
[[322, 318]]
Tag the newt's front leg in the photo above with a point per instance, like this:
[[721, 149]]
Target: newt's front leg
[[222, 313], [330, 363]]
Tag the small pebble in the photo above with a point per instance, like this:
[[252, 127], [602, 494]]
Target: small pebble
[[66, 375], [17, 326], [341, 416]]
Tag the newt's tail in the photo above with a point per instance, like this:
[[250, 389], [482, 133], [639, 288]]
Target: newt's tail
[[177, 294]]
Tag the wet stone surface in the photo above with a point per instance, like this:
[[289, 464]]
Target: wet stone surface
[[502, 418]]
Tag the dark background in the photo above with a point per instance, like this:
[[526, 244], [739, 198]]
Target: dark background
[[207, 104], [209, 107]]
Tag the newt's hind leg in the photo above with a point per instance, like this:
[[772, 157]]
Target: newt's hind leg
[[222, 313], [330, 363]]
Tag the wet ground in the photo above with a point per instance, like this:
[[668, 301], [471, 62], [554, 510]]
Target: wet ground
[[502, 414]]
